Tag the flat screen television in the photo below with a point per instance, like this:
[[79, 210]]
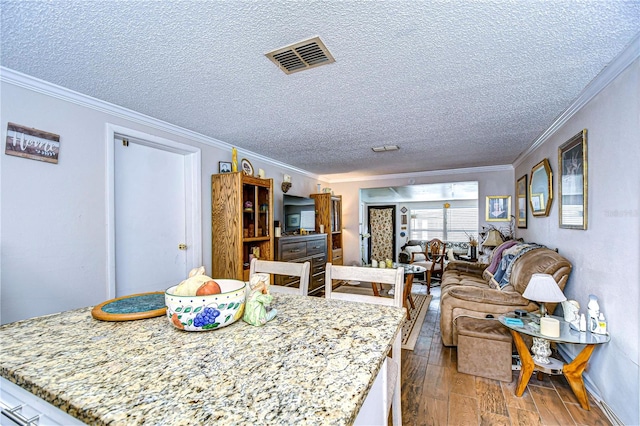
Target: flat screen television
[[299, 213]]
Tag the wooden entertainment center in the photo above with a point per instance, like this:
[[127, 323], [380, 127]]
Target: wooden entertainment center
[[302, 248], [242, 228]]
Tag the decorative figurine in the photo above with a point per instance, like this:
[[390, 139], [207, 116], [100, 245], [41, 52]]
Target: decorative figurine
[[593, 309], [571, 310], [257, 310]]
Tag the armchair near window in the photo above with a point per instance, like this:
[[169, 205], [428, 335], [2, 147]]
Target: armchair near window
[[432, 259]]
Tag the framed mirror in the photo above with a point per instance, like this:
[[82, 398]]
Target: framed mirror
[[540, 189]]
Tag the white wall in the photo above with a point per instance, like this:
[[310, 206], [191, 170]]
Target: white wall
[[53, 216], [605, 257], [491, 181]]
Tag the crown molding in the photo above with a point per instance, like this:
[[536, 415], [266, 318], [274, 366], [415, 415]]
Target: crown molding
[[413, 175], [602, 80], [16, 78]]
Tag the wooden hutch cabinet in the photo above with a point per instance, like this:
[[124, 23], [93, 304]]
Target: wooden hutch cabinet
[[329, 214], [241, 223]]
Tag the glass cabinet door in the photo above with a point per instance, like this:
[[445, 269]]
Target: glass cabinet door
[[255, 213], [336, 214]]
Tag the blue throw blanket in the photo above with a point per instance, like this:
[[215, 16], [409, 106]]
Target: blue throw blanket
[[509, 256]]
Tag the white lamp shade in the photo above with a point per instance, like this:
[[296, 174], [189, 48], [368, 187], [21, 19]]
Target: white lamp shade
[[543, 288], [493, 239]]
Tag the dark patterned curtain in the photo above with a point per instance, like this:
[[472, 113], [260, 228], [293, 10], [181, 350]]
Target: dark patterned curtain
[[382, 229]]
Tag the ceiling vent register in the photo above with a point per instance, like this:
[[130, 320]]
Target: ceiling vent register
[[301, 56]]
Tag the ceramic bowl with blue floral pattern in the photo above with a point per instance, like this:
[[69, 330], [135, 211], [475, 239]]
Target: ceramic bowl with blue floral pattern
[[203, 313]]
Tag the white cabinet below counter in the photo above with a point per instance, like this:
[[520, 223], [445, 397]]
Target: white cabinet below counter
[[21, 407]]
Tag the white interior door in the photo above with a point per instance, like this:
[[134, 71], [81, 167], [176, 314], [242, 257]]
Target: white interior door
[[150, 218]]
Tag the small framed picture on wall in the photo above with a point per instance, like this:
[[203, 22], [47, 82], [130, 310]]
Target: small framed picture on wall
[[224, 167]]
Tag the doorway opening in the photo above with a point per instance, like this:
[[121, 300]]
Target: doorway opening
[[447, 211]]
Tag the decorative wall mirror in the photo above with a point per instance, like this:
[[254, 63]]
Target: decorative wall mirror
[[540, 190]]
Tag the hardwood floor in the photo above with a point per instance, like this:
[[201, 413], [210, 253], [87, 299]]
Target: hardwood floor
[[434, 393]]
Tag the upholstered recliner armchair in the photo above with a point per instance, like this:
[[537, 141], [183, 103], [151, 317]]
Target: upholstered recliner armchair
[[467, 288]]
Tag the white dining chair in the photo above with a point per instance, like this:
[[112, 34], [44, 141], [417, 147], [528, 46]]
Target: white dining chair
[[390, 374], [291, 269]]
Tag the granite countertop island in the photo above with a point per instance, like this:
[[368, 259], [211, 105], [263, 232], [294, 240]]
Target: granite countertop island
[[313, 364]]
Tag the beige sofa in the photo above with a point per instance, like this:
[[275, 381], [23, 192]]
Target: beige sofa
[[468, 288]]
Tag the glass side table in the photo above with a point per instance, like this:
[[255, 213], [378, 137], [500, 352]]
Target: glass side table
[[540, 360]]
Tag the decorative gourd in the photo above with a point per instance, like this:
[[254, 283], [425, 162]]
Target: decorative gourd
[[190, 286]]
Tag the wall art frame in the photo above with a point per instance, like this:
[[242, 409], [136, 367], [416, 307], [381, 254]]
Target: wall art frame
[[224, 167], [498, 208], [522, 202], [573, 184], [34, 144], [246, 167]]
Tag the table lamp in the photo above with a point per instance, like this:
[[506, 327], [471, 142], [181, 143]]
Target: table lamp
[[493, 239], [542, 288]]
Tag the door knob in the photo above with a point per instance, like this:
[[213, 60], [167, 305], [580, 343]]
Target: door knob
[[182, 246]]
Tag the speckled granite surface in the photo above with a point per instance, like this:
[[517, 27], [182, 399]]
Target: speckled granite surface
[[313, 364]]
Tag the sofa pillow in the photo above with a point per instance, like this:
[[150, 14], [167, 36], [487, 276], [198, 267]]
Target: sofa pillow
[[415, 249], [450, 256]]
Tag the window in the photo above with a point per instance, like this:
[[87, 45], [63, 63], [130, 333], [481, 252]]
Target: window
[[427, 224], [455, 223]]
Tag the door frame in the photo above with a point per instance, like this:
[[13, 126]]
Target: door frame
[[393, 220], [193, 197]]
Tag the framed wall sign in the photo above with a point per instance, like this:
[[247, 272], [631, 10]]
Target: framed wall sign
[[522, 202], [572, 188], [31, 143]]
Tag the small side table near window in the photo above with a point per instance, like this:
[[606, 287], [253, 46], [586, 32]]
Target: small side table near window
[[541, 361]]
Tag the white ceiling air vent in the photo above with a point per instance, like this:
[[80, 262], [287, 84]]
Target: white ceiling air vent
[[301, 56]]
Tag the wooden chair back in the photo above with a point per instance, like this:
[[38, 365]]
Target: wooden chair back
[[291, 269], [391, 372], [437, 251]]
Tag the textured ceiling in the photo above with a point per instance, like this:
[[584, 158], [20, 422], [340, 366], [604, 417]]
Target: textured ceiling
[[455, 84]]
